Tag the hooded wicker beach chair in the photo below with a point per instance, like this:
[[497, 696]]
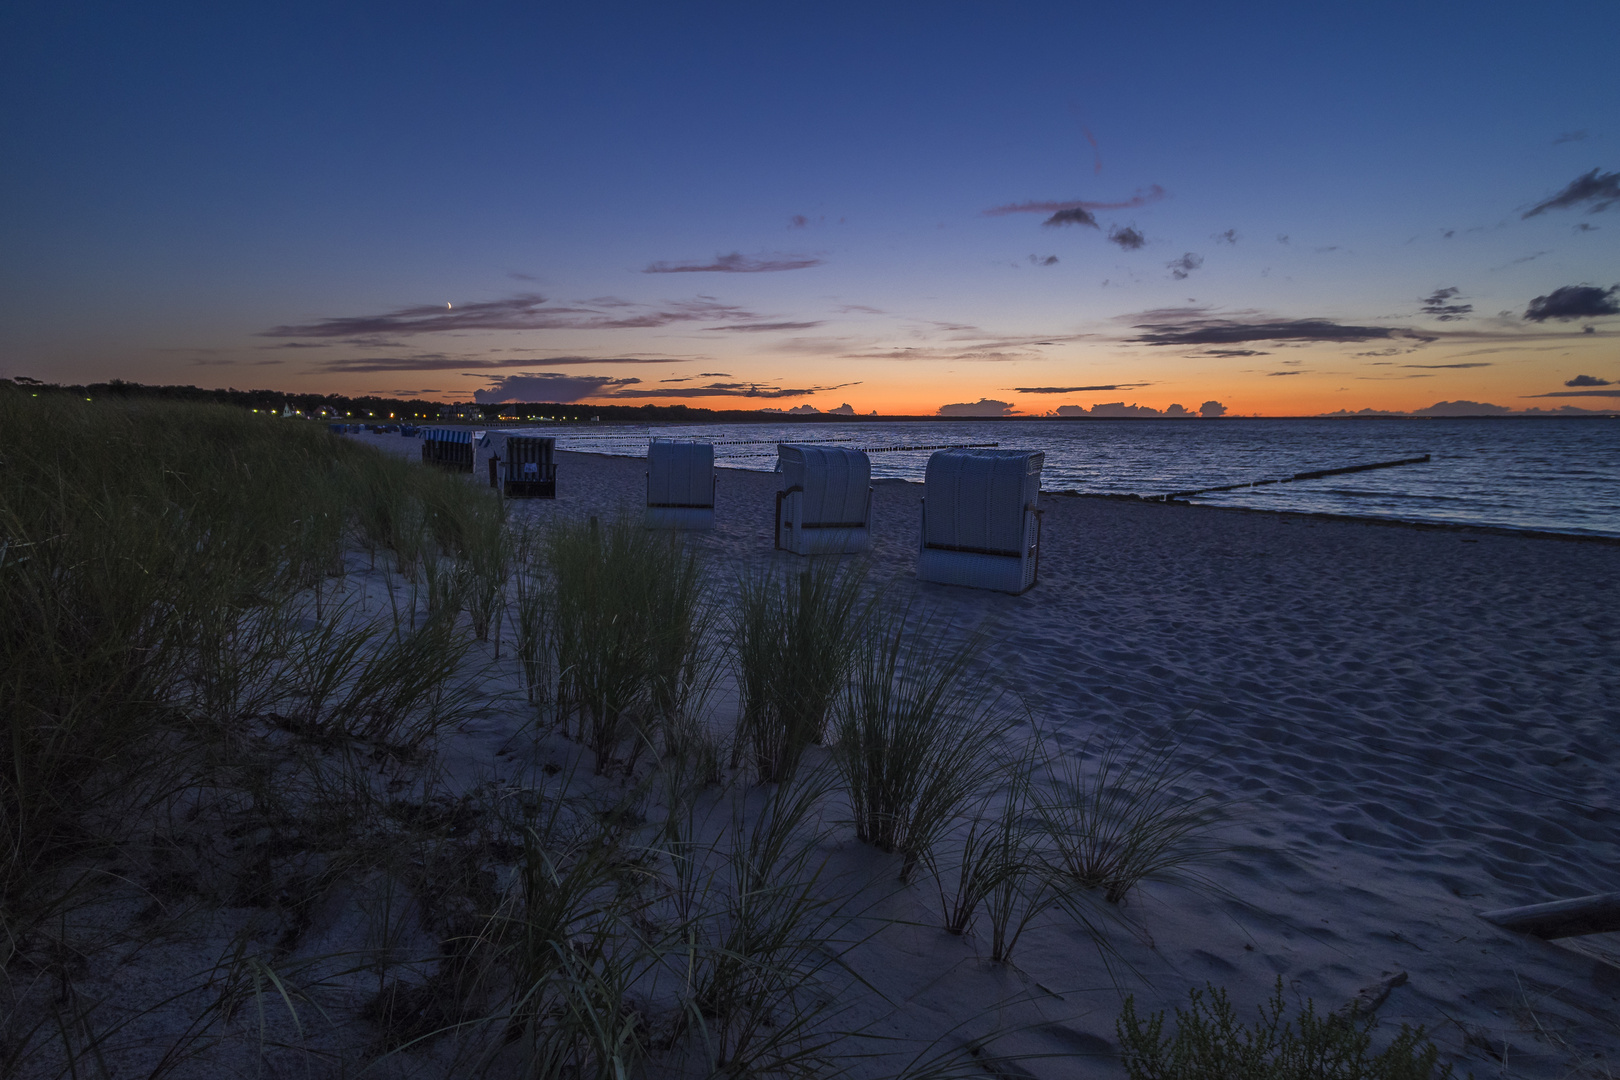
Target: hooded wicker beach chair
[[448, 448], [680, 485], [825, 505], [523, 466], [981, 526]]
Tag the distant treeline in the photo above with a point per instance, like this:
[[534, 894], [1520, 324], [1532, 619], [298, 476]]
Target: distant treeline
[[382, 408]]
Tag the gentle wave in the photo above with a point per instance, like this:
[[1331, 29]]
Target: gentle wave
[[1547, 474]]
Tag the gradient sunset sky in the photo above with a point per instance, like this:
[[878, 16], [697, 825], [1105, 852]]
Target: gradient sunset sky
[[1289, 209]]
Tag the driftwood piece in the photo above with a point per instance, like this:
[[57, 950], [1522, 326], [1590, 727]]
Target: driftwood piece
[[1597, 914]]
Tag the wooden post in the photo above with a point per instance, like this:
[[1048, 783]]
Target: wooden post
[[1596, 914]]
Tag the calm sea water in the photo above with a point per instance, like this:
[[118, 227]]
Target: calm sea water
[[1557, 475]]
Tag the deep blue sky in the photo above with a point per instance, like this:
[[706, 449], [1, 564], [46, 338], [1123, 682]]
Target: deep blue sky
[[290, 196]]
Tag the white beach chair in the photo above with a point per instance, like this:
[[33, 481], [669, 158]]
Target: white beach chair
[[489, 454], [825, 505], [981, 525], [680, 485]]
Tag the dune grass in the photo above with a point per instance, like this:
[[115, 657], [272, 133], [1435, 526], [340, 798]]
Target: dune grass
[[916, 737], [625, 616], [1126, 813], [793, 638], [203, 713]]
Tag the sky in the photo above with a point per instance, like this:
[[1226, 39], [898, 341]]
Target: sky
[[991, 208]]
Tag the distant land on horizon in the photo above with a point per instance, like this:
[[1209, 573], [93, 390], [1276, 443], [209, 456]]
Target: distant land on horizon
[[337, 406]]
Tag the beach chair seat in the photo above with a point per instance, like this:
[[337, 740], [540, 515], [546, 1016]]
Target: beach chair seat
[[981, 523], [825, 504], [527, 469], [681, 483], [448, 448]]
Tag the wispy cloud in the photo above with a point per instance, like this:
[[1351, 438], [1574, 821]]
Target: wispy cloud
[[1141, 198], [737, 263], [1570, 136], [547, 386], [736, 389], [1127, 238], [1194, 326], [527, 311], [1574, 302], [763, 327], [1180, 268], [1078, 389], [1230, 236], [440, 362], [1074, 215], [1598, 190], [1439, 305], [1435, 367], [1579, 393]]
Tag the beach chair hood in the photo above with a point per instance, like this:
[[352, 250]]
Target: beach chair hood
[[834, 481], [977, 499]]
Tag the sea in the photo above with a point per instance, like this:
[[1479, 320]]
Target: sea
[[1546, 474]]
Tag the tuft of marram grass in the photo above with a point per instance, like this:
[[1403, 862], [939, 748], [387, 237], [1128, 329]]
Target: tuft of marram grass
[[916, 737], [1130, 815], [793, 637]]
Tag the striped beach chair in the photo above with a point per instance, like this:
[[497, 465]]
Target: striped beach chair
[[448, 448], [981, 523], [529, 470], [825, 505], [681, 483]]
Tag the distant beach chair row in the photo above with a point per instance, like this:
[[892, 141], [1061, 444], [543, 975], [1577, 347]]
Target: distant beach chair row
[[981, 522]]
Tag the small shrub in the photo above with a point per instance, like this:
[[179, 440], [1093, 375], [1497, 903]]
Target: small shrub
[[1209, 1042]]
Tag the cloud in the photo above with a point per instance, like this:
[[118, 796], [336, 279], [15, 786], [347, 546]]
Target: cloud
[[1127, 238], [1579, 393], [846, 409], [526, 311], [1581, 226], [1180, 268], [1601, 190], [1230, 236], [1119, 408], [1574, 302], [1462, 408], [1212, 408], [738, 263], [762, 327], [1432, 367], [1438, 304], [1074, 215], [714, 374], [1233, 352], [1190, 326], [440, 362], [798, 221], [1077, 389], [1587, 380], [1570, 136], [742, 390], [1294, 372], [547, 386], [1050, 260], [1141, 198], [982, 407]]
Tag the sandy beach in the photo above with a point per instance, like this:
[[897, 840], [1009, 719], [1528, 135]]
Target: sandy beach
[[1398, 727], [1406, 726]]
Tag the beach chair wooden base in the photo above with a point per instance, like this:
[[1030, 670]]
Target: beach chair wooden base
[[531, 489], [681, 518]]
